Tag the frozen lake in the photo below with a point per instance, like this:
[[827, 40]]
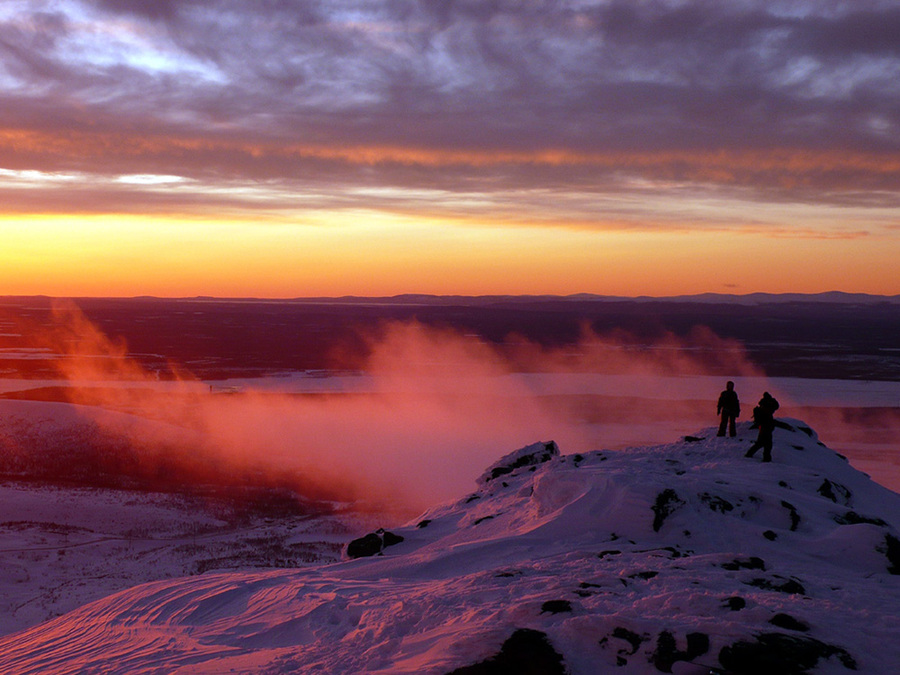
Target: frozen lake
[[796, 391]]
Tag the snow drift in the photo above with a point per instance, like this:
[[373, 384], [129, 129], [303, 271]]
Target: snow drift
[[682, 558]]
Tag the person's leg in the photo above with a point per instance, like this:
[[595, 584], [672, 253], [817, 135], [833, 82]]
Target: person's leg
[[767, 446], [753, 448], [723, 423], [732, 430]]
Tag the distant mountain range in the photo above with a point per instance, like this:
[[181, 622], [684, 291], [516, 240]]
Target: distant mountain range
[[706, 298], [830, 297]]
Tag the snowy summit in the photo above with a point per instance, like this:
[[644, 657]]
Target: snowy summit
[[681, 558]]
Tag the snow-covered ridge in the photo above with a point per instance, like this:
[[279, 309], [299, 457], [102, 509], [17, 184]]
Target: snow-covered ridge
[[682, 558]]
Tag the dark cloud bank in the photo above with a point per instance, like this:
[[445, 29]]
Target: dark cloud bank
[[796, 101]]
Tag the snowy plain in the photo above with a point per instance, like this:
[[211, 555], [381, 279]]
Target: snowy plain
[[685, 558]]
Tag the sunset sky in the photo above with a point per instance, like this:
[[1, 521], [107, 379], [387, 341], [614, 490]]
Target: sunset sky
[[282, 148]]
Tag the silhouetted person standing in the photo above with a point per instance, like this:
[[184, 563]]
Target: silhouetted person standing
[[729, 408], [764, 416]]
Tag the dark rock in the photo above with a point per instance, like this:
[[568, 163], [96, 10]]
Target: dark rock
[[779, 654], [477, 521], [693, 439], [797, 447], [806, 430], [791, 586], [529, 456], [472, 498], [667, 652], [372, 544], [735, 603], [666, 504], [771, 536], [787, 621], [752, 563], [556, 607], [630, 637], [853, 518], [795, 517], [365, 546], [835, 492], [697, 645], [603, 554], [892, 551], [716, 503], [674, 552], [423, 523], [389, 538], [525, 652], [643, 575], [584, 589]]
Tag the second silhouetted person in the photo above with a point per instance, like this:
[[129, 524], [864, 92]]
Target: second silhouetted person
[[764, 416]]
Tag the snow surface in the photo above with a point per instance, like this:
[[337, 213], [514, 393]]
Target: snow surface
[[631, 549], [61, 547]]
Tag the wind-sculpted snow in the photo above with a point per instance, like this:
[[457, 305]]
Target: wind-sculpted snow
[[682, 558]]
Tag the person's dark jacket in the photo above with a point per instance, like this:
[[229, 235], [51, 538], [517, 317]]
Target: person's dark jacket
[[728, 401], [764, 412]]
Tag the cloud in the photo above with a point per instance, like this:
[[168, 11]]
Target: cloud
[[156, 10], [792, 99]]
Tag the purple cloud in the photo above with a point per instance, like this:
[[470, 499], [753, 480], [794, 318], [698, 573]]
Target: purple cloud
[[800, 100]]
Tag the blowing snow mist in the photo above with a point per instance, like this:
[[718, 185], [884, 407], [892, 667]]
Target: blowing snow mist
[[434, 407]]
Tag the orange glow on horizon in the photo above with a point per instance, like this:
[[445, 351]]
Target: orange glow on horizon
[[381, 255], [668, 223]]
